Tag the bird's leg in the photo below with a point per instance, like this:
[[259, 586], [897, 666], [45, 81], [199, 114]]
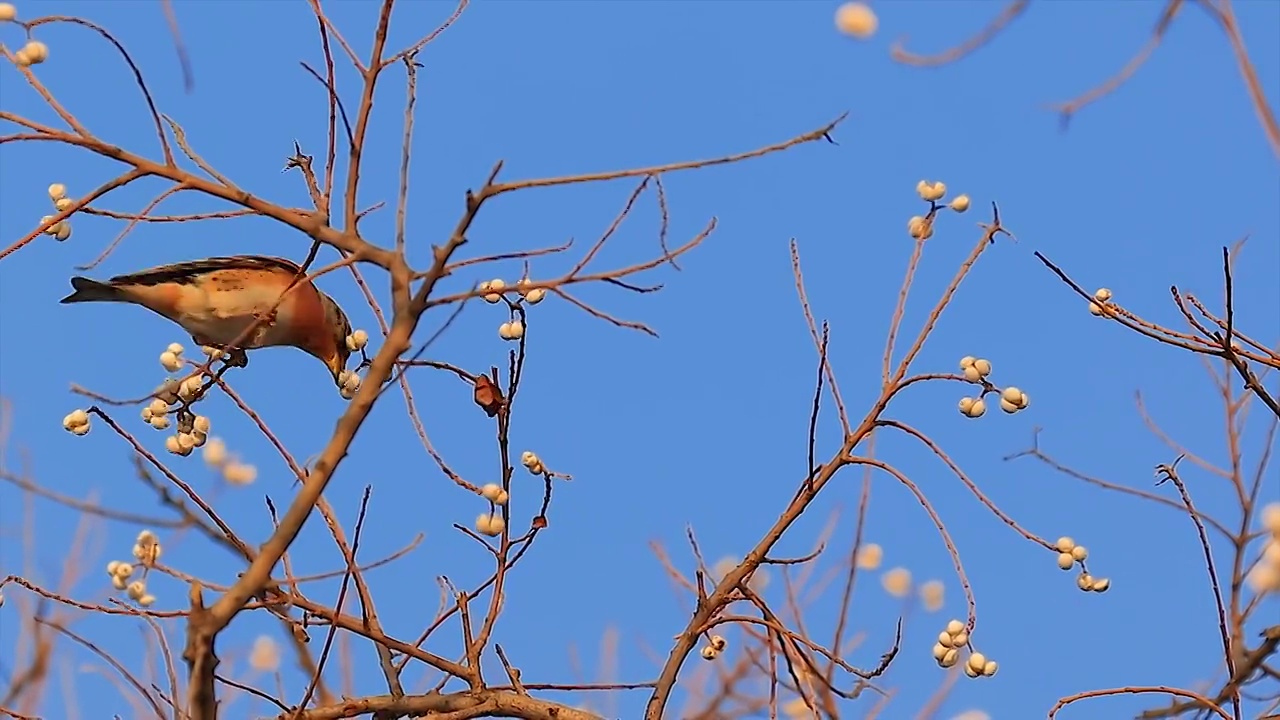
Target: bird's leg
[[265, 319], [236, 357]]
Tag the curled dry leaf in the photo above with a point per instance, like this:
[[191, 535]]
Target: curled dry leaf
[[487, 395]]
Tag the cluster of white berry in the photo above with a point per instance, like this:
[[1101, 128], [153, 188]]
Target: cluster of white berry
[[146, 550], [494, 493], [76, 422], [1069, 553], [511, 330], [171, 358], [532, 462], [1098, 307], [494, 289], [60, 230], [976, 370], [34, 52], [715, 646], [1265, 575], [947, 651], [490, 523], [233, 471], [920, 227], [357, 340], [350, 380]]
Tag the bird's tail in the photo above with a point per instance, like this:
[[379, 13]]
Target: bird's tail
[[87, 290]]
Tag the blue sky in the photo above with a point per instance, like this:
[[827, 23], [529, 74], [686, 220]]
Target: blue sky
[[705, 426]]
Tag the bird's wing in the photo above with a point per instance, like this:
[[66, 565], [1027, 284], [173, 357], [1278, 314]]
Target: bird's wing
[[184, 271]]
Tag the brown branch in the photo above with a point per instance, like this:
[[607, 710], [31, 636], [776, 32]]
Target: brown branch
[[981, 38]]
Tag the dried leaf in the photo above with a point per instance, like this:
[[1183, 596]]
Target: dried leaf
[[487, 395]]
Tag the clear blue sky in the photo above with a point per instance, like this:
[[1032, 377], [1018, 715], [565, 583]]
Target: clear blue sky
[[705, 426]]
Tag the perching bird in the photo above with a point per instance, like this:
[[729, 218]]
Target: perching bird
[[217, 299]]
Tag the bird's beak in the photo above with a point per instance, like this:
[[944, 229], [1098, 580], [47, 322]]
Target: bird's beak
[[336, 364]]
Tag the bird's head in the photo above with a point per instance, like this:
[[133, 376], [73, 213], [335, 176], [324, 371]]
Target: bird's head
[[336, 352]]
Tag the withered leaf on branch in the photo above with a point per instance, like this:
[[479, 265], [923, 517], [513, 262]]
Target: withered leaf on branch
[[488, 396]]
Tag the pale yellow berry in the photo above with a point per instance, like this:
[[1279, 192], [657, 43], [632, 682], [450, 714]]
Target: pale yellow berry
[[236, 473], [186, 443], [1102, 295], [1079, 553], [1085, 581], [932, 595], [75, 419], [1100, 585], [857, 20], [939, 651], [147, 600], [870, 556], [495, 287], [960, 639], [111, 567], [1008, 407], [982, 366], [967, 360], [966, 404], [718, 642], [919, 228], [977, 409], [1096, 310], [709, 653], [1065, 544], [490, 524], [137, 589], [215, 452], [946, 640], [63, 204], [950, 658], [990, 668], [175, 348], [535, 296], [930, 191], [1065, 561], [357, 340], [1271, 518], [119, 583], [491, 491], [124, 570], [8, 12], [1263, 579], [1271, 552], [960, 203], [62, 231], [80, 430], [528, 458], [57, 191], [897, 582], [513, 330], [200, 424], [169, 361], [977, 661], [1012, 394], [172, 445], [955, 627], [35, 51], [972, 374]]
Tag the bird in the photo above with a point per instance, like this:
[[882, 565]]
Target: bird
[[217, 299]]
